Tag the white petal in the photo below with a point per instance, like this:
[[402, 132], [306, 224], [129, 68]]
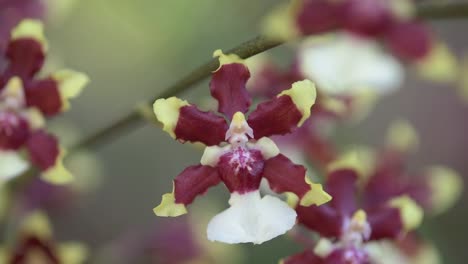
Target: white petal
[[346, 63], [11, 165], [251, 219]]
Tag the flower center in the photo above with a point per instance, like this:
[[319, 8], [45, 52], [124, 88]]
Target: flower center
[[239, 131], [12, 96], [356, 230]]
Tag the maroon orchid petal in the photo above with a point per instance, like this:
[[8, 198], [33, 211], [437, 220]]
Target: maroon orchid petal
[[341, 184], [32, 246], [322, 219], [228, 86], [367, 17], [14, 131], [379, 189], [285, 176], [44, 95], [195, 125], [186, 122], [275, 117], [193, 181], [409, 40], [319, 16], [174, 242], [43, 149], [385, 222], [241, 170], [306, 257], [26, 57], [271, 80]]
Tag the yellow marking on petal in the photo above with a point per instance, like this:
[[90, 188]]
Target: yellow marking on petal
[[226, 58], [35, 117], [4, 256], [280, 24], [402, 136], [72, 253], [323, 247], [316, 195], [167, 112], [350, 160], [403, 9], [58, 174], [439, 65], [30, 28], [14, 88], [303, 94], [411, 213], [291, 199], [211, 155], [446, 186], [268, 147], [368, 159], [168, 207], [426, 254], [37, 224], [71, 83], [238, 119], [333, 105], [359, 217]]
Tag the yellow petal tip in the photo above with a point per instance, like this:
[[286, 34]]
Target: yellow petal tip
[[58, 174], [315, 196], [402, 136], [167, 112], [168, 207], [411, 213], [226, 58], [446, 187], [303, 94], [30, 28]]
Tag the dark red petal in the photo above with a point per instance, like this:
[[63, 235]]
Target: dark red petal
[[228, 87], [270, 80], [14, 131], [341, 185], [409, 40], [32, 245], [241, 174], [285, 176], [43, 149], [44, 95], [322, 219], [318, 16], [385, 222], [193, 181], [197, 126], [275, 117], [26, 58], [367, 17], [306, 257]]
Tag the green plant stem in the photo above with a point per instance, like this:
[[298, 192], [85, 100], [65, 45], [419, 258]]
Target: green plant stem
[[245, 50]]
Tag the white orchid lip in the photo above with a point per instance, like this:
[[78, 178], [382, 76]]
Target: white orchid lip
[[251, 219], [11, 165], [345, 64]]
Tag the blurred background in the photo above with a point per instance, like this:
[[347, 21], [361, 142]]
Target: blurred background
[[132, 50]]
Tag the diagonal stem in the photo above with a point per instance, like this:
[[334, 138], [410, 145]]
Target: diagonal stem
[[244, 50]]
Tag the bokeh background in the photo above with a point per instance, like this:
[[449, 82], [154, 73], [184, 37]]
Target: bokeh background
[[133, 49]]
